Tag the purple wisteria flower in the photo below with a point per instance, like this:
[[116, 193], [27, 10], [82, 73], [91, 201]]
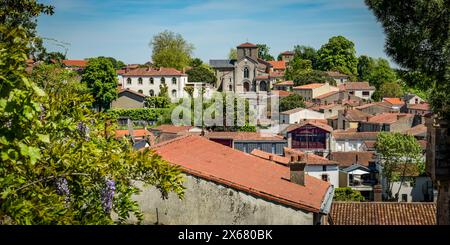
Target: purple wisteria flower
[[107, 195]]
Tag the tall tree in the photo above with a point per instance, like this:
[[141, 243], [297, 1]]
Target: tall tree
[[381, 73], [202, 73], [171, 50], [398, 153], [101, 78], [232, 55], [196, 62], [418, 39], [307, 53], [365, 67], [390, 90], [263, 52], [117, 64], [338, 54]]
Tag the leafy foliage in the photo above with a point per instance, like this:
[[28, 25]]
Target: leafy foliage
[[397, 151], [157, 102], [381, 73], [117, 64], [347, 194], [232, 55], [202, 73], [263, 52], [420, 42], [291, 101], [365, 67], [338, 54], [101, 78], [307, 53], [171, 50], [146, 114], [390, 90]]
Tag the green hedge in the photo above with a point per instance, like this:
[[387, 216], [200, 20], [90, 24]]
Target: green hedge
[[147, 114]]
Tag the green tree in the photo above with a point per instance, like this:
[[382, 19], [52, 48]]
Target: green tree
[[200, 74], [307, 53], [54, 56], [263, 52], [338, 54], [59, 164], [398, 152], [347, 194], [291, 101], [101, 78], [24, 13], [365, 67], [297, 69], [163, 91], [232, 55], [171, 50], [418, 39], [117, 64], [157, 102], [381, 73], [390, 90], [196, 62]]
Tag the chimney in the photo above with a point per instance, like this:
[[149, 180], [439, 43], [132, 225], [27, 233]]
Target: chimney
[[297, 171], [377, 193]]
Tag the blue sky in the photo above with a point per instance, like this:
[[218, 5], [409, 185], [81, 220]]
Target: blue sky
[[123, 28]]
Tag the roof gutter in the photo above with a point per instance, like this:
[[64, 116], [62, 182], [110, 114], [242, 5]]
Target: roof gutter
[[326, 204]]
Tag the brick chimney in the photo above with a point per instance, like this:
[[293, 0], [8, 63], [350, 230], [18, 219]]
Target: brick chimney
[[297, 170], [377, 193]]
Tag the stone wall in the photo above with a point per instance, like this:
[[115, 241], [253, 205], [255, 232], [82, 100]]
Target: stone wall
[[206, 202]]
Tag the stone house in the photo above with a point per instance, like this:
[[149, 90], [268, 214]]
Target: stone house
[[389, 122], [359, 89], [128, 99], [225, 186], [376, 108], [313, 90], [351, 119], [299, 114], [338, 77], [285, 86]]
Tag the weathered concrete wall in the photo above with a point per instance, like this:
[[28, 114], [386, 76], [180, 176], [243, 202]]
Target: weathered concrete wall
[[206, 202]]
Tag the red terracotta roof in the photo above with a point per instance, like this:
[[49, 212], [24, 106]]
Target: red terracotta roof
[[383, 213], [288, 53], [417, 130], [212, 161], [310, 86], [250, 136], [154, 72], [278, 64], [281, 93], [323, 96], [309, 158], [343, 135], [355, 86], [168, 128], [317, 123], [356, 116], [137, 133], [75, 63], [121, 71], [388, 118], [276, 74], [370, 144], [285, 83], [336, 74], [131, 91], [421, 107], [348, 158], [247, 45], [381, 103], [266, 156], [394, 101]]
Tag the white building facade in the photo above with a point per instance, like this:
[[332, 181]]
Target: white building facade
[[147, 81], [329, 173], [299, 114]]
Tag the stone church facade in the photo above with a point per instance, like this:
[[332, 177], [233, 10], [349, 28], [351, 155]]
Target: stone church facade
[[247, 74]]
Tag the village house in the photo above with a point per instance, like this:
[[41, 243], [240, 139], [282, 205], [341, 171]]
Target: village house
[[147, 81], [287, 56], [336, 97], [382, 213], [397, 104], [350, 119], [418, 131], [285, 86], [389, 122], [277, 66], [166, 132], [128, 99], [299, 114], [420, 109], [412, 99], [248, 141], [226, 186], [329, 111], [359, 89], [248, 73], [313, 90], [140, 138], [75, 65], [376, 108], [344, 141], [338, 77], [310, 136]]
